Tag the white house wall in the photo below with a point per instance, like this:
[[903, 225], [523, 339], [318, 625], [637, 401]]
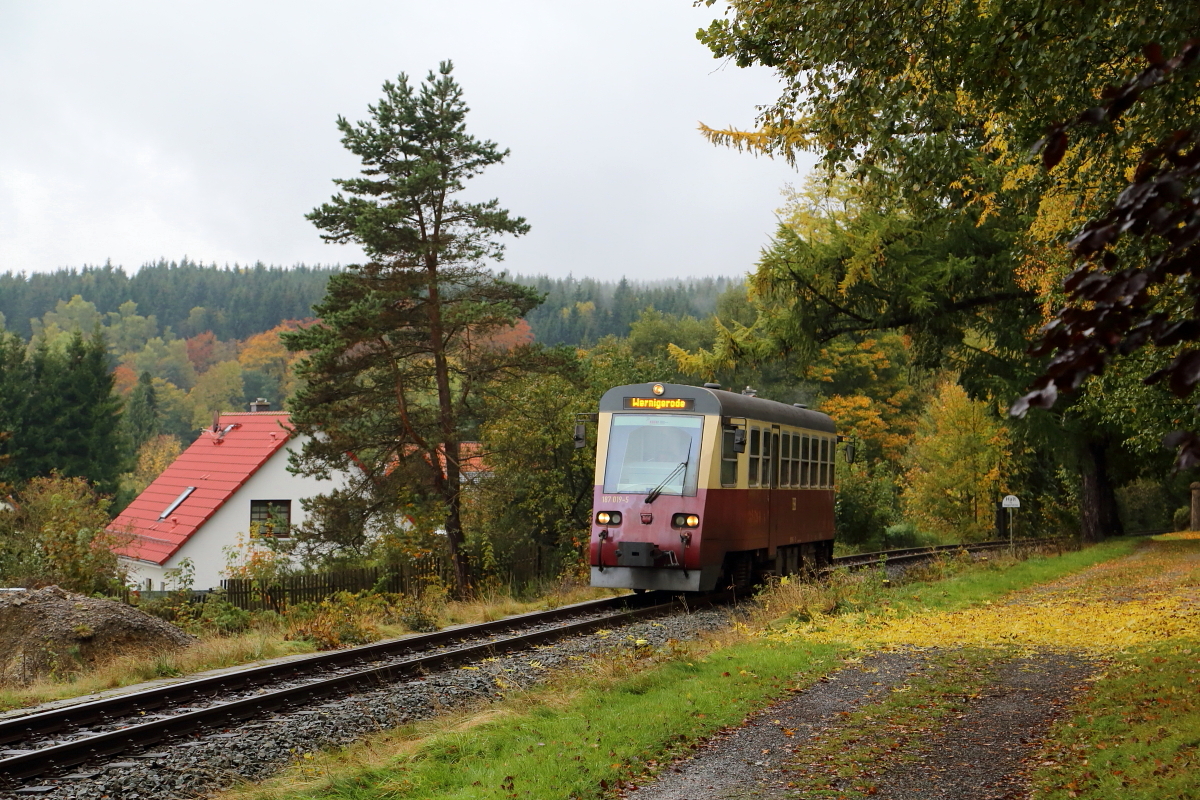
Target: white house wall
[[231, 522]]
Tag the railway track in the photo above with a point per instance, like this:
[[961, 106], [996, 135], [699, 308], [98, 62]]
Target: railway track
[[51, 741], [909, 554]]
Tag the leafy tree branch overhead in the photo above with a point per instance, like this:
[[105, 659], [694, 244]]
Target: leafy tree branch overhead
[[1114, 311]]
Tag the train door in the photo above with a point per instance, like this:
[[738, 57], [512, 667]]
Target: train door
[[757, 532], [782, 513]]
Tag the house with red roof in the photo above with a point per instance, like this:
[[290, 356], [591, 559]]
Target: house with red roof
[[234, 476]]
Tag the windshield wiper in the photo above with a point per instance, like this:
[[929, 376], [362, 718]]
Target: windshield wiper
[[657, 490]]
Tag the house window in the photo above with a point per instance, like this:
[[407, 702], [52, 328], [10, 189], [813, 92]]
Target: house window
[[270, 518]]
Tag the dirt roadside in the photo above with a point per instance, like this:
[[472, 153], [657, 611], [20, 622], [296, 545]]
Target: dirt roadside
[[951, 704], [982, 751]]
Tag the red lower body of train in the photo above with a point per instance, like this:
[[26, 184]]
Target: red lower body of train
[[742, 533]]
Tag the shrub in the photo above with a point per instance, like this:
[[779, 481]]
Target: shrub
[[220, 616], [1182, 518], [905, 534], [343, 620], [58, 535]]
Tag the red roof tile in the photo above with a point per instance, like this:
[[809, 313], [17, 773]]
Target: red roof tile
[[217, 464]]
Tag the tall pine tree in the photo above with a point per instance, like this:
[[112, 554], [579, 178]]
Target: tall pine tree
[[404, 343]]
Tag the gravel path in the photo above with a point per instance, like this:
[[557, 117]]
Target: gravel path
[[260, 748], [749, 761], [980, 755], [983, 755]]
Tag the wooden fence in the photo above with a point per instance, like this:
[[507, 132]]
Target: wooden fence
[[524, 567], [406, 578]]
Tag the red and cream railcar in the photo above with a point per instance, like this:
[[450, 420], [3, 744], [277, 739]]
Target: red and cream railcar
[[698, 488]]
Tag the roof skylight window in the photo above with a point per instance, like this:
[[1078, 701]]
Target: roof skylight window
[[182, 496]]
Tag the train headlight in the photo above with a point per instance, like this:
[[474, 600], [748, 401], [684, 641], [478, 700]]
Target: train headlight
[[685, 521], [693, 521], [609, 518]]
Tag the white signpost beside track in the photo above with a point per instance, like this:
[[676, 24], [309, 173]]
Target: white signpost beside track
[[1012, 503]]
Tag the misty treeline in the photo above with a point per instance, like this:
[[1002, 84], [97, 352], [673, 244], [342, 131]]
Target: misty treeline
[[582, 311], [236, 302], [188, 297]]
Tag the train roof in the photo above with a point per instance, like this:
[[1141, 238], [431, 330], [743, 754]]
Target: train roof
[[718, 401]]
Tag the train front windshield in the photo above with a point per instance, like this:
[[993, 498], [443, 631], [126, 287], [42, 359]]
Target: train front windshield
[[649, 450]]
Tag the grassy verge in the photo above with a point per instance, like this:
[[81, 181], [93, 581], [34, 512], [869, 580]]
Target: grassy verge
[[210, 653], [584, 735], [1135, 735], [272, 636], [615, 722], [943, 585]]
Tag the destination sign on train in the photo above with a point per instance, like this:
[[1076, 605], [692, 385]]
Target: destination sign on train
[[661, 403]]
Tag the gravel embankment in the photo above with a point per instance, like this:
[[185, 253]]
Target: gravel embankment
[[260, 748]]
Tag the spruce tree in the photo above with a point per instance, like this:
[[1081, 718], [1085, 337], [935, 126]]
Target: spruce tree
[[141, 412], [402, 350]]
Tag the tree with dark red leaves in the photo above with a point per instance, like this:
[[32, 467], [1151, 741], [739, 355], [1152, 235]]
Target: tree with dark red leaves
[[1154, 228]]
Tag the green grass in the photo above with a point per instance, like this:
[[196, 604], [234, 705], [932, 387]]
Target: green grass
[[612, 722], [946, 584], [1136, 735], [612, 732], [997, 577]]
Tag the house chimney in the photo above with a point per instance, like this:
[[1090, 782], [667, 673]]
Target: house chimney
[[260, 405]]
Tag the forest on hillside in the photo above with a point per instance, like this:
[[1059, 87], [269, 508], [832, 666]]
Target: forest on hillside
[[582, 311], [235, 302], [186, 296], [172, 363]]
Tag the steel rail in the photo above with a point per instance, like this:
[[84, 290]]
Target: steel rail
[[915, 553], [35, 762], [79, 715]]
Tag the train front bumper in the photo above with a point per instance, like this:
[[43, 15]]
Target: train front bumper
[[651, 578]]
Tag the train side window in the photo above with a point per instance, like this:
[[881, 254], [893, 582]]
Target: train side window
[[754, 454], [794, 449], [795, 459], [764, 479], [729, 459], [832, 461], [804, 461], [785, 459], [824, 463], [776, 464]]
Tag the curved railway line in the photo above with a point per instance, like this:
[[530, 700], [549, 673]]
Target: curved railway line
[[50, 741]]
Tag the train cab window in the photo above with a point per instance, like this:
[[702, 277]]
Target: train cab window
[[804, 461], [652, 451], [755, 433], [729, 459]]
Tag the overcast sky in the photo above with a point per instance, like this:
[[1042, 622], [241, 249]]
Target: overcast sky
[[137, 130]]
